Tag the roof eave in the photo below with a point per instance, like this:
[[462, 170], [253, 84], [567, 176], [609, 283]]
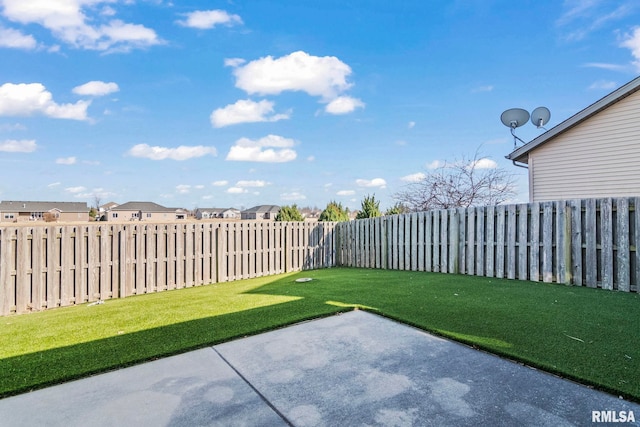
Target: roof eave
[[521, 154]]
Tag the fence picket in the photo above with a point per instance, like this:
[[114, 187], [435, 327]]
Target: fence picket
[[622, 244], [534, 247], [523, 229], [590, 243], [480, 240], [428, 241], [576, 241], [444, 243], [511, 256], [547, 242], [490, 242], [606, 230], [462, 240], [436, 241], [560, 233], [500, 241], [471, 240]]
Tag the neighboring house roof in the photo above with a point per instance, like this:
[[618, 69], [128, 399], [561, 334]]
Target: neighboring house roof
[[25, 206], [213, 210], [263, 209], [521, 153], [143, 206], [108, 206]]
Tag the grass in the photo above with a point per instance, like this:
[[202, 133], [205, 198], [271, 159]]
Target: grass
[[592, 336]]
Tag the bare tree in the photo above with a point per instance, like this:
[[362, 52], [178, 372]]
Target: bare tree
[[462, 183]]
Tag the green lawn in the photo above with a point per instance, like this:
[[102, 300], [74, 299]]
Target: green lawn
[[592, 336]]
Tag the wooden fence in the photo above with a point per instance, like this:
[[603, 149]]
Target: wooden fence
[[591, 242], [48, 266]]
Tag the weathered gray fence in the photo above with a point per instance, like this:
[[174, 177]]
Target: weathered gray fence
[[591, 242], [48, 266]]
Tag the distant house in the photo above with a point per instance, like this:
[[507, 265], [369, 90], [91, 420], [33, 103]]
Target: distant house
[[217, 213], [595, 153], [106, 207], [23, 211], [144, 211], [261, 212]]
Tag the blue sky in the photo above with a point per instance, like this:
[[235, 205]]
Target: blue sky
[[239, 103]]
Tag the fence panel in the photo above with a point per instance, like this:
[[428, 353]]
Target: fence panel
[[47, 266], [592, 242]]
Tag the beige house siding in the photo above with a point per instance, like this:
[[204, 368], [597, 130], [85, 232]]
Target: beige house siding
[[598, 158]]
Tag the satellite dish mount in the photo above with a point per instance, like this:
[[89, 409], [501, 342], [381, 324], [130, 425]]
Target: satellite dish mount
[[516, 117]]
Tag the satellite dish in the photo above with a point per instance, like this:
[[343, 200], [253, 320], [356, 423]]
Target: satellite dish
[[540, 116], [514, 117]]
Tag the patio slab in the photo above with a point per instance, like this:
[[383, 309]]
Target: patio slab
[[355, 369]]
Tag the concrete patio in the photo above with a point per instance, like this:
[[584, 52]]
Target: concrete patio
[[354, 369]]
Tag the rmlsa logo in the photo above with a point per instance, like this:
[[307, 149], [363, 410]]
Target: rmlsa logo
[[612, 417]]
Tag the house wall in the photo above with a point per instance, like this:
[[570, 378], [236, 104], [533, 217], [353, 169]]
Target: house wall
[[136, 215], [122, 215], [158, 216], [73, 216], [598, 158]]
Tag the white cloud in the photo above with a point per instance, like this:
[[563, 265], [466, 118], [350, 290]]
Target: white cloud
[[375, 182], [255, 183], [343, 105], [346, 193], [182, 152], [66, 160], [53, 184], [245, 111], [249, 150], [11, 127], [25, 99], [411, 125], [96, 88], [324, 76], [414, 177], [198, 186], [484, 164], [632, 42], [183, 188], [237, 190], [233, 62], [487, 88], [16, 40], [69, 21], [15, 146], [603, 85], [75, 190], [219, 183], [435, 164], [605, 66], [207, 19], [292, 196], [583, 17]]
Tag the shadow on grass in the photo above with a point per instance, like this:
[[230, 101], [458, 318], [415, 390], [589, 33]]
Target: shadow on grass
[[582, 334], [36, 370]]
